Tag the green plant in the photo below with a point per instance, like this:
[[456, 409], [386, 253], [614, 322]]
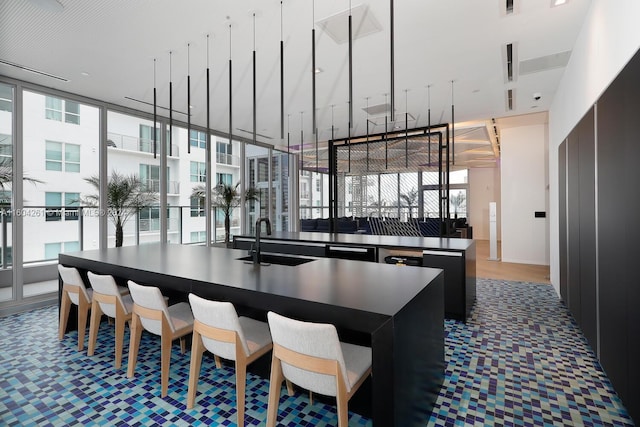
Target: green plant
[[126, 195], [410, 199], [6, 173], [225, 197]]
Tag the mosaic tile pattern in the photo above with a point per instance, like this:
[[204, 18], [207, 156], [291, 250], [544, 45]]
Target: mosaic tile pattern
[[520, 360], [44, 381]]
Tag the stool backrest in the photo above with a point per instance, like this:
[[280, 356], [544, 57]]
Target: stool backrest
[[318, 340], [221, 315], [106, 285], [151, 298], [71, 276]]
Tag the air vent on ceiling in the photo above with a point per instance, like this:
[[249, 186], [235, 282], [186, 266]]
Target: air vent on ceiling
[[364, 23], [391, 125], [510, 101], [32, 70], [543, 63], [510, 58]]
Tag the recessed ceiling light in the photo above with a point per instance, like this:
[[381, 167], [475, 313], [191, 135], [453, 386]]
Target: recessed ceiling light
[[85, 74], [319, 70], [558, 2]]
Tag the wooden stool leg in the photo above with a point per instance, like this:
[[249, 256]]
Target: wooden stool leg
[[65, 307], [241, 384], [120, 321], [134, 344], [94, 326], [166, 360], [275, 383], [83, 313], [197, 349]]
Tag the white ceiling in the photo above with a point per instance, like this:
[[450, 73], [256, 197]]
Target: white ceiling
[[115, 42]]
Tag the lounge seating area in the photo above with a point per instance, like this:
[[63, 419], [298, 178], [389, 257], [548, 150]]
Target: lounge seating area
[[419, 227]]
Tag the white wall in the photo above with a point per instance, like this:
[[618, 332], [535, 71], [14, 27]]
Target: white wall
[[609, 38], [484, 187], [524, 191]]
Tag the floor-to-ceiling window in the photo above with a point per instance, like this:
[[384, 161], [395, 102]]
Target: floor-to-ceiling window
[[60, 155], [6, 176]]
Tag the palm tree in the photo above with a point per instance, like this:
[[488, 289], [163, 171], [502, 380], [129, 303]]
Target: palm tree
[[126, 195], [410, 199], [226, 197], [6, 173]]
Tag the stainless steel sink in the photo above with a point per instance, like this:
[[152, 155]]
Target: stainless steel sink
[[278, 259]]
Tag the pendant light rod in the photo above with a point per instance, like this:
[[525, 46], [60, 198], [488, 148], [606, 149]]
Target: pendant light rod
[[313, 68], [230, 97], [254, 79], [155, 115], [350, 68], [301, 138], [386, 143], [366, 116], [208, 168], [188, 98], [392, 61], [170, 106], [406, 129], [349, 148], [453, 134], [288, 133], [281, 75], [429, 120]]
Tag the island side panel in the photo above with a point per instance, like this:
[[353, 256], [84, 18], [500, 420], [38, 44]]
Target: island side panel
[[470, 278], [419, 364]]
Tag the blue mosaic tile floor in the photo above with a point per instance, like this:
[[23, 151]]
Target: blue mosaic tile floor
[[520, 360]]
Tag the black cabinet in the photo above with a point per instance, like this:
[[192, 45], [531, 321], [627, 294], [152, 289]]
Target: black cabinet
[[599, 233]]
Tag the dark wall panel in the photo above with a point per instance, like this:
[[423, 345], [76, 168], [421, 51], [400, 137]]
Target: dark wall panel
[[562, 207], [587, 220], [618, 111], [573, 226]]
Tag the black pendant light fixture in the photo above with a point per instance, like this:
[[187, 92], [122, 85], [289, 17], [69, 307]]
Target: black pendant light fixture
[[170, 105], [301, 138], [282, 77], [254, 79], [155, 115], [230, 97], [453, 124], [313, 66], [366, 116], [386, 143], [406, 129], [208, 143], [350, 68], [429, 120], [392, 61], [189, 98]]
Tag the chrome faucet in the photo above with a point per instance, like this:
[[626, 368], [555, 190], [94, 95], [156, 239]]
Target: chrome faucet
[[256, 251]]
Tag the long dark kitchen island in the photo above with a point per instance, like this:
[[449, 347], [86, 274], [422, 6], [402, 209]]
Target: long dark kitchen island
[[457, 257], [399, 312]]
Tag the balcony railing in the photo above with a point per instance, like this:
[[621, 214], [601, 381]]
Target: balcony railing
[[227, 159], [173, 187], [132, 143]]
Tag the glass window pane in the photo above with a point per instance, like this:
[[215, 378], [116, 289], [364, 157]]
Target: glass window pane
[[72, 199], [72, 107], [71, 246], [54, 150], [51, 250], [72, 167], [72, 152]]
